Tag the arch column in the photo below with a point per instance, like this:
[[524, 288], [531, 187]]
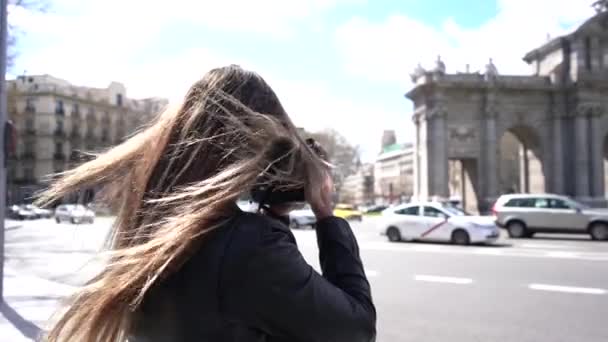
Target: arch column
[[490, 150], [597, 155], [439, 169], [581, 157], [558, 156]]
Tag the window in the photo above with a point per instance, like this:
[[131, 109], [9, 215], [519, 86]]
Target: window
[[559, 204], [433, 212], [29, 105], [542, 203], [412, 211], [59, 107], [521, 203], [58, 148], [119, 100], [59, 126], [76, 109]]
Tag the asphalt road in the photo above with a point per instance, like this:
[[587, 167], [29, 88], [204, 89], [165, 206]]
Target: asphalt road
[[550, 288]]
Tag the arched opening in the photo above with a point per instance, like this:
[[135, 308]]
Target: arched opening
[[520, 163]]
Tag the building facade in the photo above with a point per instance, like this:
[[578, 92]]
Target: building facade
[[558, 115], [393, 174], [358, 188], [54, 120]]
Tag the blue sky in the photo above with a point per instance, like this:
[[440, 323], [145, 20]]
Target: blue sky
[[342, 64]]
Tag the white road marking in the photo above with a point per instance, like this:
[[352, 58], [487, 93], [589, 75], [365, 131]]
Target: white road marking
[[567, 289], [441, 279], [561, 254], [487, 251], [548, 246]]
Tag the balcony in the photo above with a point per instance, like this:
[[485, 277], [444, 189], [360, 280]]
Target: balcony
[[59, 133], [30, 109], [60, 111]]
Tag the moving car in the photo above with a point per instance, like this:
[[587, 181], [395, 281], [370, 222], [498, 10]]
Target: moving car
[[39, 212], [302, 218], [523, 215], [74, 213], [434, 221], [21, 212], [347, 212], [375, 210]]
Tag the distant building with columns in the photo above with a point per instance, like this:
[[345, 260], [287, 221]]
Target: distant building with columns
[[393, 173], [557, 115]]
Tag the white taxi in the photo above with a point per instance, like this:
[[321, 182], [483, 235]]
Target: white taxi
[[437, 222]]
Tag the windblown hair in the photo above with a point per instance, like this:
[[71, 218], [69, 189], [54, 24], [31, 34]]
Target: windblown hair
[[176, 180]]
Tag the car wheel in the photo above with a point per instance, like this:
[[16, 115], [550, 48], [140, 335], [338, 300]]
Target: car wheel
[[57, 220], [394, 235], [460, 237], [516, 229], [74, 220], [599, 231]]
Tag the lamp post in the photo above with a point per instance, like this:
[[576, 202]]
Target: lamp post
[[3, 137]]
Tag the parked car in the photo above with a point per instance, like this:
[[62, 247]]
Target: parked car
[[74, 213], [39, 212], [20, 212], [523, 215], [301, 218], [347, 212], [433, 221]]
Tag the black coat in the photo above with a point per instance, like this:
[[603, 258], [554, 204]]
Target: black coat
[[249, 282]]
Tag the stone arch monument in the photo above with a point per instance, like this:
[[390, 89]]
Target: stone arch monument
[[558, 114]]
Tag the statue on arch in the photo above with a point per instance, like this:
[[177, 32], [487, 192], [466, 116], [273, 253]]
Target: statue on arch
[[439, 66], [418, 72], [491, 70]]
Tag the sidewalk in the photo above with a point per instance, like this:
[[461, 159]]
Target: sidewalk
[[28, 303], [35, 254]]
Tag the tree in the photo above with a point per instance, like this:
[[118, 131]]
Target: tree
[[13, 32], [341, 153]]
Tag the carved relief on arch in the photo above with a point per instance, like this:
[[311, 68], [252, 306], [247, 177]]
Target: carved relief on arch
[[462, 133], [589, 109]]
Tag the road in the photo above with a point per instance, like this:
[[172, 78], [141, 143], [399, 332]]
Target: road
[[550, 288]]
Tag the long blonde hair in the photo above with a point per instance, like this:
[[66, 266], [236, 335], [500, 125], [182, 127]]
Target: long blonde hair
[[174, 181]]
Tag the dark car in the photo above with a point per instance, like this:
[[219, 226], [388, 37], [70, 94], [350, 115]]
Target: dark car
[[21, 212]]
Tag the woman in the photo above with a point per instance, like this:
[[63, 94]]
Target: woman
[[186, 264]]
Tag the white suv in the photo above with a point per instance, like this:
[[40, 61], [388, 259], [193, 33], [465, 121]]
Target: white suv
[[74, 213], [525, 214]]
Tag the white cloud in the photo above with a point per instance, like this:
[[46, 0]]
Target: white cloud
[[389, 50], [93, 43]]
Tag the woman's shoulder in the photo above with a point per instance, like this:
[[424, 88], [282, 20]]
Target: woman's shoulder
[[260, 229]]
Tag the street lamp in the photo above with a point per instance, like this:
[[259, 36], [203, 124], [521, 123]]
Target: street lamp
[[3, 140]]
